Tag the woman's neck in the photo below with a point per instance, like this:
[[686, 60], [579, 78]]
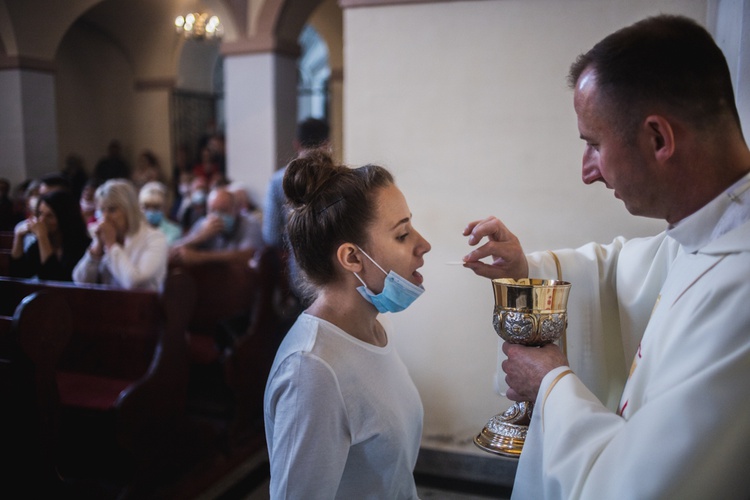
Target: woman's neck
[[346, 309]]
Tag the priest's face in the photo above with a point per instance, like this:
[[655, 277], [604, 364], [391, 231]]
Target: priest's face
[[620, 163]]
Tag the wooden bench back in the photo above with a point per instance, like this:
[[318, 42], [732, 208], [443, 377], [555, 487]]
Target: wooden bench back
[[115, 331], [223, 290], [6, 240]]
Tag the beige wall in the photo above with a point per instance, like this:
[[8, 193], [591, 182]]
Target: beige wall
[[467, 104], [95, 97]]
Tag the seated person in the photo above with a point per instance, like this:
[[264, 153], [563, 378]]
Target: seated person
[[60, 239], [88, 200], [153, 201], [223, 235], [126, 252], [193, 205]]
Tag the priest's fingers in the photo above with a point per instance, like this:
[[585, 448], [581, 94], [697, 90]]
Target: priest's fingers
[[491, 227], [508, 258]]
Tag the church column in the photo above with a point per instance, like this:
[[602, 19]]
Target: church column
[[336, 111], [260, 96], [28, 130], [153, 127]]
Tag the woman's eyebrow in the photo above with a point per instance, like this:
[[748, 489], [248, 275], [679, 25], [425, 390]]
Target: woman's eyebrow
[[405, 220]]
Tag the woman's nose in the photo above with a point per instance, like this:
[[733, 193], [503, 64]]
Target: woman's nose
[[424, 246]]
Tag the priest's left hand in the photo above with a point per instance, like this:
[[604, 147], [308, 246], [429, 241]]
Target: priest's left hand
[[526, 367]]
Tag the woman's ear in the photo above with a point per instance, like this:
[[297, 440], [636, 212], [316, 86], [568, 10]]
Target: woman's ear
[[661, 137], [349, 257]]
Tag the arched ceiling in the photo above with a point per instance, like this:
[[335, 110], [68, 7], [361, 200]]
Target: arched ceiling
[[32, 30]]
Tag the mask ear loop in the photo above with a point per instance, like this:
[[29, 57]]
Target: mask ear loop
[[371, 260]]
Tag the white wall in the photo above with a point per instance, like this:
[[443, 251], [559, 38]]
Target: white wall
[[467, 104], [260, 106]]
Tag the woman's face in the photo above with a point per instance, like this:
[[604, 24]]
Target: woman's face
[[115, 216], [393, 242], [45, 215]]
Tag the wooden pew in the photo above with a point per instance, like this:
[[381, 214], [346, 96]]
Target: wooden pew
[[4, 262], [249, 363], [6, 240], [122, 377], [240, 370], [33, 340], [225, 295]]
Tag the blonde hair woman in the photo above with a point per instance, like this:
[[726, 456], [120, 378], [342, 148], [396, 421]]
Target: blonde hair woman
[[125, 252]]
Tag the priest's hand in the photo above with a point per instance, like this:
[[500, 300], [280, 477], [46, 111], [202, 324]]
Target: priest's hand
[[508, 258], [526, 367]]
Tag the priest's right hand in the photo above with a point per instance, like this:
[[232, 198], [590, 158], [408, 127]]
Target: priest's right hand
[[508, 258]]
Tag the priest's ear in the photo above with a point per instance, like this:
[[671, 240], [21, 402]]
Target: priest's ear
[[661, 136], [349, 257]]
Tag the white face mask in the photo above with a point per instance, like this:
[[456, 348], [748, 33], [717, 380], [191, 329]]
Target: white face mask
[[398, 292]]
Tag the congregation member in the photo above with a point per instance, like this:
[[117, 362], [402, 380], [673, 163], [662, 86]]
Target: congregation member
[[664, 320], [113, 165], [224, 234], [343, 417], [193, 204], [311, 134], [126, 252], [153, 201], [60, 239]]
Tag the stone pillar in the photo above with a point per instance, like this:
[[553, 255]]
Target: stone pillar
[[28, 129], [261, 109]]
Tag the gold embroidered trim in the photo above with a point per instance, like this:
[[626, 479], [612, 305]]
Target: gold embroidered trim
[[549, 389], [557, 264], [563, 337]]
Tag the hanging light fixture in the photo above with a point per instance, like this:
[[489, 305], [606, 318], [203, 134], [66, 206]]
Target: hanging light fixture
[[199, 26]]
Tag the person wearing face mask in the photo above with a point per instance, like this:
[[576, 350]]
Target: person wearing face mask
[[224, 234], [153, 200], [126, 251], [343, 418]]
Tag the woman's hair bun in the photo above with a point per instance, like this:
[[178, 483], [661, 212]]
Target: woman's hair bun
[[307, 175]]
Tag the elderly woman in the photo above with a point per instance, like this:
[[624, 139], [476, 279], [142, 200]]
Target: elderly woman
[[153, 200], [126, 251]]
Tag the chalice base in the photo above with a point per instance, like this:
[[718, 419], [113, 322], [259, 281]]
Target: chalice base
[[505, 433]]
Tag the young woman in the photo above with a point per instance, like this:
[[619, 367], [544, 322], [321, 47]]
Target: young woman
[[60, 239], [343, 417], [126, 252]]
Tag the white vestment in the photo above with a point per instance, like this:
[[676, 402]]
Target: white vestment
[[671, 321]]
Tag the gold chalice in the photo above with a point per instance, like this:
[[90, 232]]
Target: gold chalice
[[530, 312]]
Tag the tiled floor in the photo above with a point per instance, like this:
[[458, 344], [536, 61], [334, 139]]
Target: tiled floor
[[425, 493], [452, 473]]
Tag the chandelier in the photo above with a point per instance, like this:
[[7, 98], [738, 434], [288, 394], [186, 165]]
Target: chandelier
[[199, 26]]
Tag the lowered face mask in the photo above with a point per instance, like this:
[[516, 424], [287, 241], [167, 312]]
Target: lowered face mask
[[398, 292]]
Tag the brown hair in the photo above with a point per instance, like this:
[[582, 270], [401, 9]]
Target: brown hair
[[330, 205], [663, 62]]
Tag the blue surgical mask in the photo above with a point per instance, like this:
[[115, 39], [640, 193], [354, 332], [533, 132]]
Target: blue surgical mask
[[154, 217], [398, 292], [198, 198], [229, 221]]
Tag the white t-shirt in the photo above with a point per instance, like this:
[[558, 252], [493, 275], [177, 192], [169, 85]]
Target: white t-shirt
[[343, 417]]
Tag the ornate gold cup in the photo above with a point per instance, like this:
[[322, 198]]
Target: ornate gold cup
[[530, 312]]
